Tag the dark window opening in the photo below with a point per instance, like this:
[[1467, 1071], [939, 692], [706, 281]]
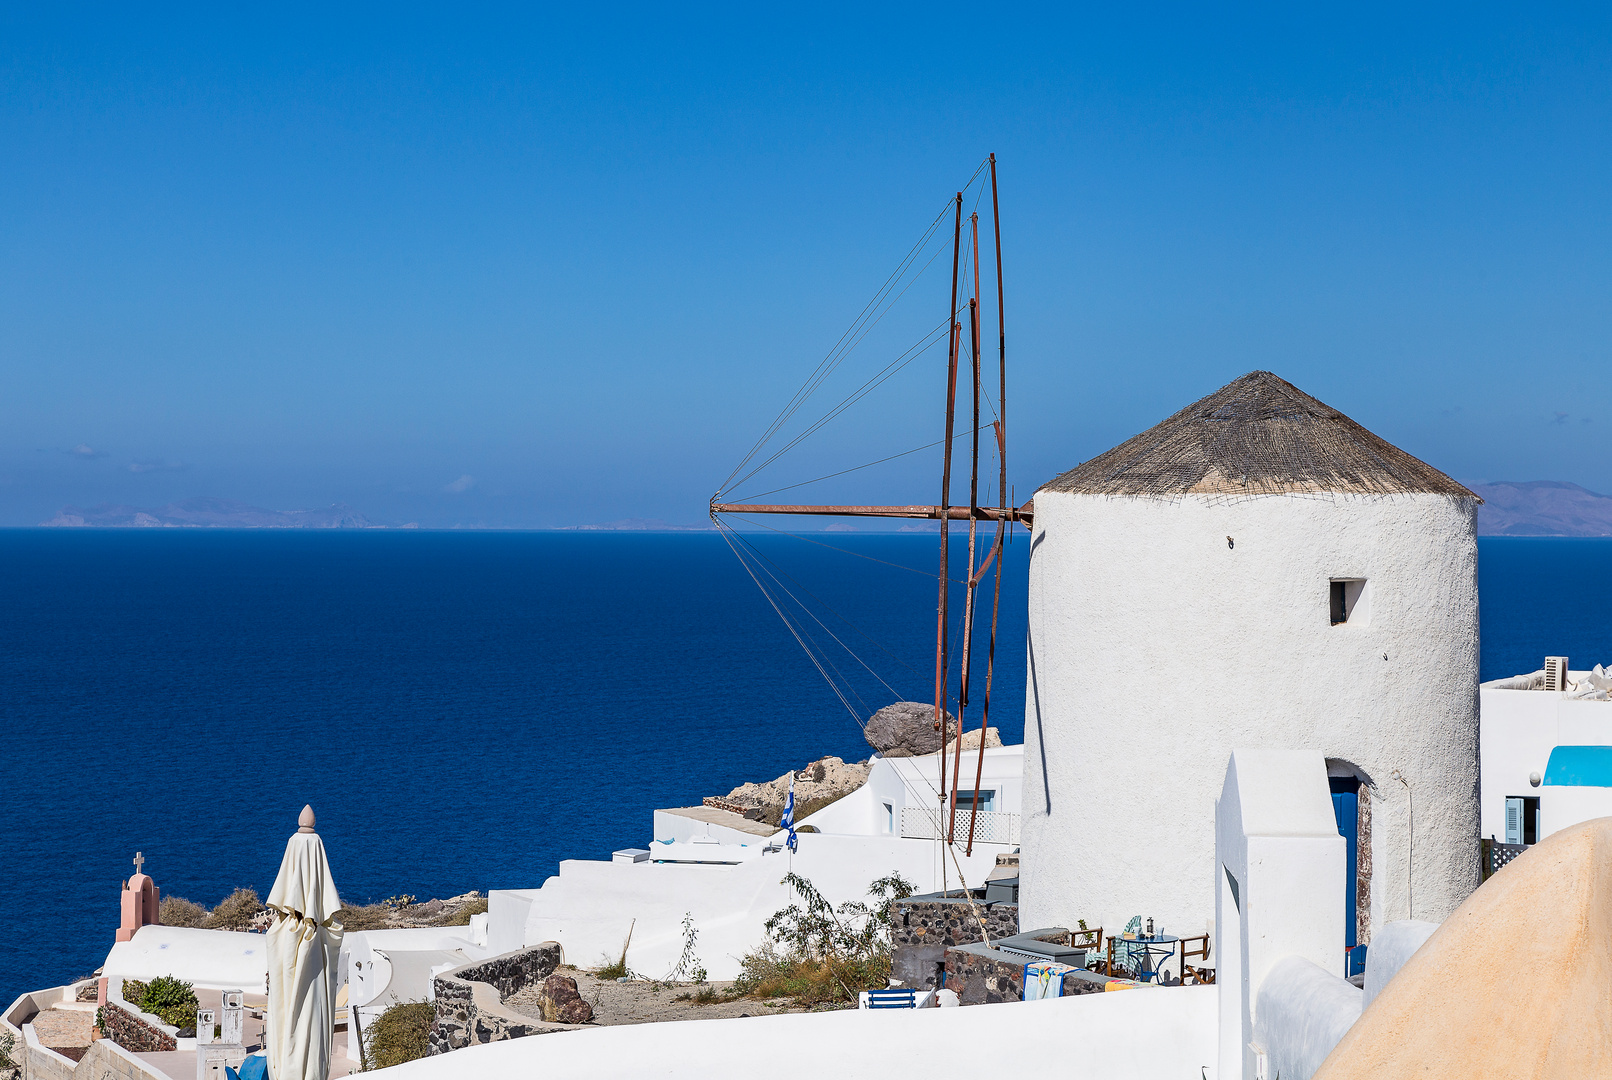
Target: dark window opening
[[1348, 602]]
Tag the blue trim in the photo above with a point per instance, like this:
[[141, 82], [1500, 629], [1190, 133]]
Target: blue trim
[[1579, 766], [1346, 810]]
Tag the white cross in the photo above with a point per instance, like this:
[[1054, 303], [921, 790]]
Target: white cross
[[139, 861]]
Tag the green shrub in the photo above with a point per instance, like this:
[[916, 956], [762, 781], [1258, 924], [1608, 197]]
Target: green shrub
[[822, 955], [133, 990], [401, 1033], [177, 911], [171, 1000], [235, 911], [8, 1043]]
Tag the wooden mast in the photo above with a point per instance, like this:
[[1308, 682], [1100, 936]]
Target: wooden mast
[[966, 664], [946, 497], [1001, 498]]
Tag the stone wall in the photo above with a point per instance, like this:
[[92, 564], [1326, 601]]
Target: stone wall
[[922, 928], [135, 1031], [949, 922], [984, 976], [468, 999]]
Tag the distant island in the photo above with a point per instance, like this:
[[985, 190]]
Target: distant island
[[1542, 508], [1510, 508], [636, 525], [210, 514]]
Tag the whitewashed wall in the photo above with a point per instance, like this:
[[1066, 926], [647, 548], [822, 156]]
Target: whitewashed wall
[[1279, 862], [1138, 1035], [1519, 730], [1155, 649], [590, 905]]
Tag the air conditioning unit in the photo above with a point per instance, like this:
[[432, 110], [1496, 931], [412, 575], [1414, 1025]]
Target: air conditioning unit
[[1555, 673]]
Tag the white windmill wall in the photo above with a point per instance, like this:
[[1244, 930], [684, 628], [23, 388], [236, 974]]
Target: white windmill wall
[[1155, 649]]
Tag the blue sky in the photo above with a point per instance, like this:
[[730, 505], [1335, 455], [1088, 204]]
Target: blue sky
[[513, 267]]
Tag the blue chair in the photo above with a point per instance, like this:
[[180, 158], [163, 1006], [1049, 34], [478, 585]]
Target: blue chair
[[888, 999]]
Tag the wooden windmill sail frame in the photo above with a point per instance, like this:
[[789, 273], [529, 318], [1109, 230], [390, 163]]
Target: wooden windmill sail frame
[[1003, 515]]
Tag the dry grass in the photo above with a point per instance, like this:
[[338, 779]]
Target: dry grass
[[462, 916], [768, 973], [177, 911], [235, 911], [364, 917]]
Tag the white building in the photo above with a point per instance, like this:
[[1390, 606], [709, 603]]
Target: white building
[[1547, 753], [726, 872], [1257, 570]]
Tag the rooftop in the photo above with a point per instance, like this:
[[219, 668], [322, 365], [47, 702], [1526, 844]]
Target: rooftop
[[1257, 435]]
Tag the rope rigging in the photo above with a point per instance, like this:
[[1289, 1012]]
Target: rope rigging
[[955, 630]]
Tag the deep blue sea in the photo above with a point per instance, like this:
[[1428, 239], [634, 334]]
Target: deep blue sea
[[463, 710]]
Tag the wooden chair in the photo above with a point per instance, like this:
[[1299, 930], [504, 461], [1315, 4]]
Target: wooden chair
[[1090, 939], [1196, 948]]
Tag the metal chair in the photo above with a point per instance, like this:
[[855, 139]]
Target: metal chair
[[1122, 955]]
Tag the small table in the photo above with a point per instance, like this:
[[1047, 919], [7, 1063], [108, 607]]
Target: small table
[[1163, 945]]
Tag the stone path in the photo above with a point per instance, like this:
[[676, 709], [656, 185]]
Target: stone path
[[63, 1027], [639, 1002]]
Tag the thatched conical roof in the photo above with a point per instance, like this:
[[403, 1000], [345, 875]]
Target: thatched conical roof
[[1256, 435]]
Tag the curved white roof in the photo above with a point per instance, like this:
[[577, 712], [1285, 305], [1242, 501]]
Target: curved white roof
[[212, 959]]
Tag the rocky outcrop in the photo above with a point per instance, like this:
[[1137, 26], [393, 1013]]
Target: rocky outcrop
[[818, 784], [907, 729]]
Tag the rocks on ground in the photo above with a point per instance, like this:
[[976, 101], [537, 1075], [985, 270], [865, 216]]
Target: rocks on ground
[[639, 1001], [560, 1003]]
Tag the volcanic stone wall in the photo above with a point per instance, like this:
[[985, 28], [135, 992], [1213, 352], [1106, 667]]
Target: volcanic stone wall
[[130, 1031], [922, 929], [462, 1020]]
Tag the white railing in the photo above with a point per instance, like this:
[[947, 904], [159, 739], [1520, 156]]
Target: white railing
[[929, 823]]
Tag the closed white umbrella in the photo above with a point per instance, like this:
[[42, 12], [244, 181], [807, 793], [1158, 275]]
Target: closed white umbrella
[[303, 942]]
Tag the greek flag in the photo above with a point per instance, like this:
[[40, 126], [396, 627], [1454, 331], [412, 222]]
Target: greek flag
[[788, 821]]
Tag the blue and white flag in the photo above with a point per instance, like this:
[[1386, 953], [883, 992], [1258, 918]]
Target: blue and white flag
[[788, 821]]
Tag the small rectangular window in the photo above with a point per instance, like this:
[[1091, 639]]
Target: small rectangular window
[[889, 818], [1347, 598], [976, 800]]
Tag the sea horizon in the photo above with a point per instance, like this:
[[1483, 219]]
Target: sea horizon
[[465, 708]]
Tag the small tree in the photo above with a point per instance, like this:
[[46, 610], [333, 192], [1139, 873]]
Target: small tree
[[856, 930], [850, 945], [688, 965]]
